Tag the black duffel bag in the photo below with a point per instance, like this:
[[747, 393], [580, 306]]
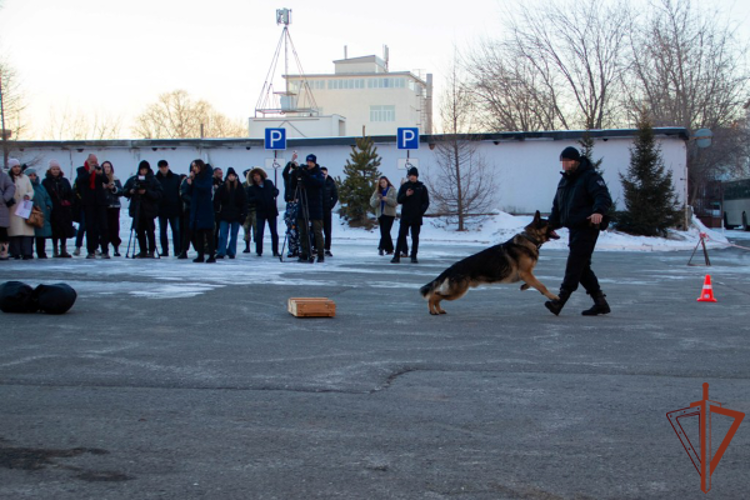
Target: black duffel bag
[[54, 299], [17, 297]]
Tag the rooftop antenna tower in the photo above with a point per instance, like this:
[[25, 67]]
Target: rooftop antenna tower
[[296, 98]]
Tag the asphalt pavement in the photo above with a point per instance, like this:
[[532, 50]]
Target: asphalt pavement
[[176, 380]]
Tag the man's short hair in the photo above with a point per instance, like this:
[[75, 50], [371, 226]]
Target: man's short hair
[[325, 169], [162, 163]]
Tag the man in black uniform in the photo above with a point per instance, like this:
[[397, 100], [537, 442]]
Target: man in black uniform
[[581, 205], [414, 201]]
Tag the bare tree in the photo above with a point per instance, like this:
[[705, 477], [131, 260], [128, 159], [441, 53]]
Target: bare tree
[[176, 115], [460, 183], [690, 70], [13, 105], [562, 60], [508, 90], [76, 125]]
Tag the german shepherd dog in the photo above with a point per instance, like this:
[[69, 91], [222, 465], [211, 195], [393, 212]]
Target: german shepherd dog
[[507, 262]]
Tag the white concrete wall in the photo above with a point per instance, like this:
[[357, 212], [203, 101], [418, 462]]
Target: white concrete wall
[[527, 171]]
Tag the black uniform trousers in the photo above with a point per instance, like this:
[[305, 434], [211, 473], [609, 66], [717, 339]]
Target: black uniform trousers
[[578, 269], [401, 246]]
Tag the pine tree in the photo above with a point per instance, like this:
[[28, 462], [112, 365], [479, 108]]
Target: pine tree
[[650, 200], [362, 175], [587, 150]]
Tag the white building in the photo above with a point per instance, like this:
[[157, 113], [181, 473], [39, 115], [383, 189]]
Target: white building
[[525, 164], [366, 93]]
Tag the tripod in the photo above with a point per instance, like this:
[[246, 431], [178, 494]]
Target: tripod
[[136, 223], [300, 194]]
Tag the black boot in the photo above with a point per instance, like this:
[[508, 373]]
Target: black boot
[[555, 306], [600, 305]]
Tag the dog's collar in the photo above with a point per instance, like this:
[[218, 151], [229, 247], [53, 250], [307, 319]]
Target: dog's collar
[[536, 243]]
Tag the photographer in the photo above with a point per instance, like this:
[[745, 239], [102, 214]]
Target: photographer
[[290, 214], [144, 192], [311, 181], [90, 185], [113, 192]]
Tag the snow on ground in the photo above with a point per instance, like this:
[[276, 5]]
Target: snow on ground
[[501, 227]]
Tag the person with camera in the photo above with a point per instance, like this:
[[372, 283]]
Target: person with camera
[[169, 208], [262, 195], [230, 204], [310, 181], [330, 198], [200, 190], [292, 205], [384, 201], [90, 184], [7, 192], [414, 200], [112, 193], [144, 193]]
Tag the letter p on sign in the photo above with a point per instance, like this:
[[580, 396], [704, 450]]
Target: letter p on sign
[[275, 138], [408, 138]]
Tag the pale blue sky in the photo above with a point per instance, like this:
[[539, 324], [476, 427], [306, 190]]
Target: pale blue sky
[[116, 57]]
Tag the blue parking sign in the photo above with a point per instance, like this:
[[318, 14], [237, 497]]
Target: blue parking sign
[[275, 138], [408, 138]]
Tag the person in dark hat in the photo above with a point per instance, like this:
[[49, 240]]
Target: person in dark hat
[[311, 181], [414, 200], [170, 208], [581, 204], [144, 192], [262, 195], [230, 204], [90, 184]]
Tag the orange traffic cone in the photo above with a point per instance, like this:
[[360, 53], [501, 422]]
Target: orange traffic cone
[[707, 295]]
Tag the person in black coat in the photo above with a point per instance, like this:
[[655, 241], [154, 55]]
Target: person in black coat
[[581, 204], [230, 204], [262, 194], [90, 184], [330, 198], [414, 200], [170, 208], [61, 219], [311, 181], [144, 192], [202, 215]]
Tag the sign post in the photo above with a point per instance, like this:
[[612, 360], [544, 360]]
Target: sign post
[[407, 138], [275, 140]]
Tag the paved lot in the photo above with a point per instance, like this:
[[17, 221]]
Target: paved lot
[[175, 380]]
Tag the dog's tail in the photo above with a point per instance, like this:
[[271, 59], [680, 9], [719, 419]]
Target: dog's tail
[[431, 286]]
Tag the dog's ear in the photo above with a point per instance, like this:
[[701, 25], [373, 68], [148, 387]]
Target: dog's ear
[[537, 216]]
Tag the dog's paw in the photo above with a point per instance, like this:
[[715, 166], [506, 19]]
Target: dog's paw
[[434, 313], [525, 286], [443, 312]]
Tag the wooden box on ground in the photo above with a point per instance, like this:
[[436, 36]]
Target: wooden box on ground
[[312, 307]]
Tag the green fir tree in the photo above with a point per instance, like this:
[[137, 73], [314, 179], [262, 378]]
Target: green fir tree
[[651, 205], [361, 176], [587, 150]]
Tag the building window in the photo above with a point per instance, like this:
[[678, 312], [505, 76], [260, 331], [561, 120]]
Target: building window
[[382, 113]]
